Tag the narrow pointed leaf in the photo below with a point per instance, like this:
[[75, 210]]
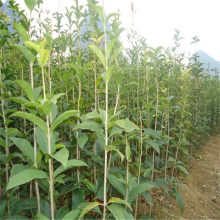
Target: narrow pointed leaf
[[30, 4], [108, 74], [119, 212], [78, 198], [82, 140], [63, 117], [23, 50], [111, 45], [115, 54], [153, 144], [71, 215], [179, 199], [33, 45], [22, 32], [25, 176], [4, 32], [99, 10], [88, 208], [111, 147], [139, 189], [2, 208], [44, 56], [27, 89], [33, 118], [128, 152], [120, 201], [183, 169], [111, 15], [2, 143], [25, 148], [42, 217], [62, 156], [127, 125], [42, 140], [116, 183], [99, 53], [70, 164], [92, 126]]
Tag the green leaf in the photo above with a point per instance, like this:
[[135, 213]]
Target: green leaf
[[57, 96], [161, 184], [17, 168], [34, 104], [183, 169], [82, 139], [116, 183], [44, 56], [4, 32], [120, 201], [63, 117], [111, 147], [23, 50], [108, 74], [126, 87], [17, 217], [152, 132], [153, 144], [111, 45], [99, 53], [36, 120], [71, 215], [22, 32], [77, 198], [25, 148], [93, 115], [47, 107], [70, 164], [61, 41], [2, 143], [42, 140], [68, 188], [89, 185], [179, 199], [27, 89], [88, 208], [19, 100], [127, 125], [139, 189], [61, 212], [111, 15], [91, 125], [26, 176], [28, 203], [62, 156], [128, 152], [3, 158], [118, 78], [2, 208], [99, 10], [33, 45], [30, 4], [116, 53], [42, 217], [119, 212], [37, 92], [184, 150]]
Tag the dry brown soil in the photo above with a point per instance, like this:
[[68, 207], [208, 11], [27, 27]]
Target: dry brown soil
[[202, 194], [202, 188]]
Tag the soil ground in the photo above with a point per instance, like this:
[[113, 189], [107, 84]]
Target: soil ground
[[202, 188]]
